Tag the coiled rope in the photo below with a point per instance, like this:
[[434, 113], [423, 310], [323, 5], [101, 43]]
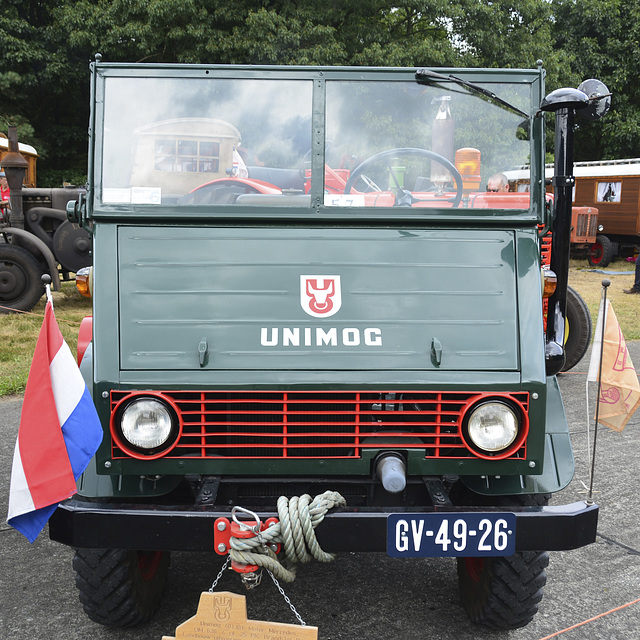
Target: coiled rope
[[298, 516]]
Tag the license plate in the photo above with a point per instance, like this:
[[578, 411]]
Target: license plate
[[430, 535]]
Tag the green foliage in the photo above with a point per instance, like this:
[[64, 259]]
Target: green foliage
[[502, 33], [46, 45], [58, 177], [602, 40]]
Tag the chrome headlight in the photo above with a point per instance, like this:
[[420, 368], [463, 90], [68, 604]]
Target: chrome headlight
[[148, 425], [492, 427]]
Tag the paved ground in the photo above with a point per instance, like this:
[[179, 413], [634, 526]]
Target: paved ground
[[365, 596]]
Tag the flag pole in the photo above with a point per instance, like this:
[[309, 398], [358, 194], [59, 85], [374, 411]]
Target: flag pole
[[605, 285], [46, 279]]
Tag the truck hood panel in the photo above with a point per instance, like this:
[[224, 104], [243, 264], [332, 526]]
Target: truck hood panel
[[322, 299]]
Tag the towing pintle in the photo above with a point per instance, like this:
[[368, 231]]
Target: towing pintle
[[593, 99]]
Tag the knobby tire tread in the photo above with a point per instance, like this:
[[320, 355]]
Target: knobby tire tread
[[507, 592], [580, 329], [510, 590], [111, 590]]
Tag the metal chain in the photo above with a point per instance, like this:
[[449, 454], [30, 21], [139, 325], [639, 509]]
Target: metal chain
[[215, 582], [286, 599], [275, 581]]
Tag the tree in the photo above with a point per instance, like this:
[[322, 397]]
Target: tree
[[46, 45], [23, 55], [505, 33], [602, 40]]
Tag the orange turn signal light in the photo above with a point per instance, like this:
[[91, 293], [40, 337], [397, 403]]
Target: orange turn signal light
[[549, 283], [468, 164], [84, 281]]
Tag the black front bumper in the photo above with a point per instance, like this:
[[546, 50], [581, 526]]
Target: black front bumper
[[83, 524]]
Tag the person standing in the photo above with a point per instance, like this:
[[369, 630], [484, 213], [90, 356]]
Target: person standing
[[4, 187], [636, 284]]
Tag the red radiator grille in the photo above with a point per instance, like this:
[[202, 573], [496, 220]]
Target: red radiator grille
[[585, 224], [314, 424]]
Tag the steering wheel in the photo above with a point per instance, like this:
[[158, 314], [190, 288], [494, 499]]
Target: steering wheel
[[406, 199], [221, 191]]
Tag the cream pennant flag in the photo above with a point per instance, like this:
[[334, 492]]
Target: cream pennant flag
[[619, 390]]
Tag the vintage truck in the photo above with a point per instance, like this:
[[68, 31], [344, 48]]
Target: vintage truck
[[35, 235], [301, 285]]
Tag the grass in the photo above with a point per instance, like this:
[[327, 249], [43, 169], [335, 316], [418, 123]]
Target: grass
[[588, 284], [19, 332]]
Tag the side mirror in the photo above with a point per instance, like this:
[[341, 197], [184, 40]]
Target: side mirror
[[591, 98], [565, 98], [599, 98], [76, 209]]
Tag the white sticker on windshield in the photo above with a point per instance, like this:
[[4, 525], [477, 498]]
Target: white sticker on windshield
[[116, 196], [146, 195], [343, 200]]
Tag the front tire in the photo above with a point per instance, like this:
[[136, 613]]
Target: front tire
[[120, 588], [601, 252], [578, 329], [503, 593]]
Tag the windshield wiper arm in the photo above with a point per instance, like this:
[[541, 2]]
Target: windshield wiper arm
[[427, 76]]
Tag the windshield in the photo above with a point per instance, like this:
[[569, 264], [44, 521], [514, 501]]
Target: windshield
[[292, 142]]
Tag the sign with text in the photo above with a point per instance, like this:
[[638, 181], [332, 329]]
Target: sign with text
[[223, 616]]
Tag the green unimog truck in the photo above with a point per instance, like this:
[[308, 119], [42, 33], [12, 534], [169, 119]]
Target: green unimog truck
[[303, 281]]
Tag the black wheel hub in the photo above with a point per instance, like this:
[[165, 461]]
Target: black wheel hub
[[12, 281]]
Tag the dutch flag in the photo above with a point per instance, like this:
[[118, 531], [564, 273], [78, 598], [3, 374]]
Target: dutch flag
[[59, 433]]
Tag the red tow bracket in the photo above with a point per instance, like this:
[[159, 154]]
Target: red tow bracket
[[224, 529]]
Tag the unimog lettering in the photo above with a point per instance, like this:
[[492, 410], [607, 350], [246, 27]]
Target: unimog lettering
[[320, 337], [425, 379]]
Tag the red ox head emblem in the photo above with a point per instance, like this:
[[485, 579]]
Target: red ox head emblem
[[320, 296]]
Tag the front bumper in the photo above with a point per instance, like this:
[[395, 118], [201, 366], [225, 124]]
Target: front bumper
[[82, 524]]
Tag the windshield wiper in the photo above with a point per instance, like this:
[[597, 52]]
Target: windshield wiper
[[427, 76]]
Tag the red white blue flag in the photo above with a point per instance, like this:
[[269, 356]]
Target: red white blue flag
[[59, 433]]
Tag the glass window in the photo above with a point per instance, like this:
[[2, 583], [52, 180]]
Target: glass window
[[414, 145], [210, 149], [187, 157], [392, 143], [188, 141], [609, 191], [187, 147]]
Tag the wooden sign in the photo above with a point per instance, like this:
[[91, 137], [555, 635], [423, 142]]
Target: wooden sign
[[223, 616]]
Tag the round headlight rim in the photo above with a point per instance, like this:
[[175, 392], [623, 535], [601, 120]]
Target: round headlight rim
[[523, 427], [141, 453]]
